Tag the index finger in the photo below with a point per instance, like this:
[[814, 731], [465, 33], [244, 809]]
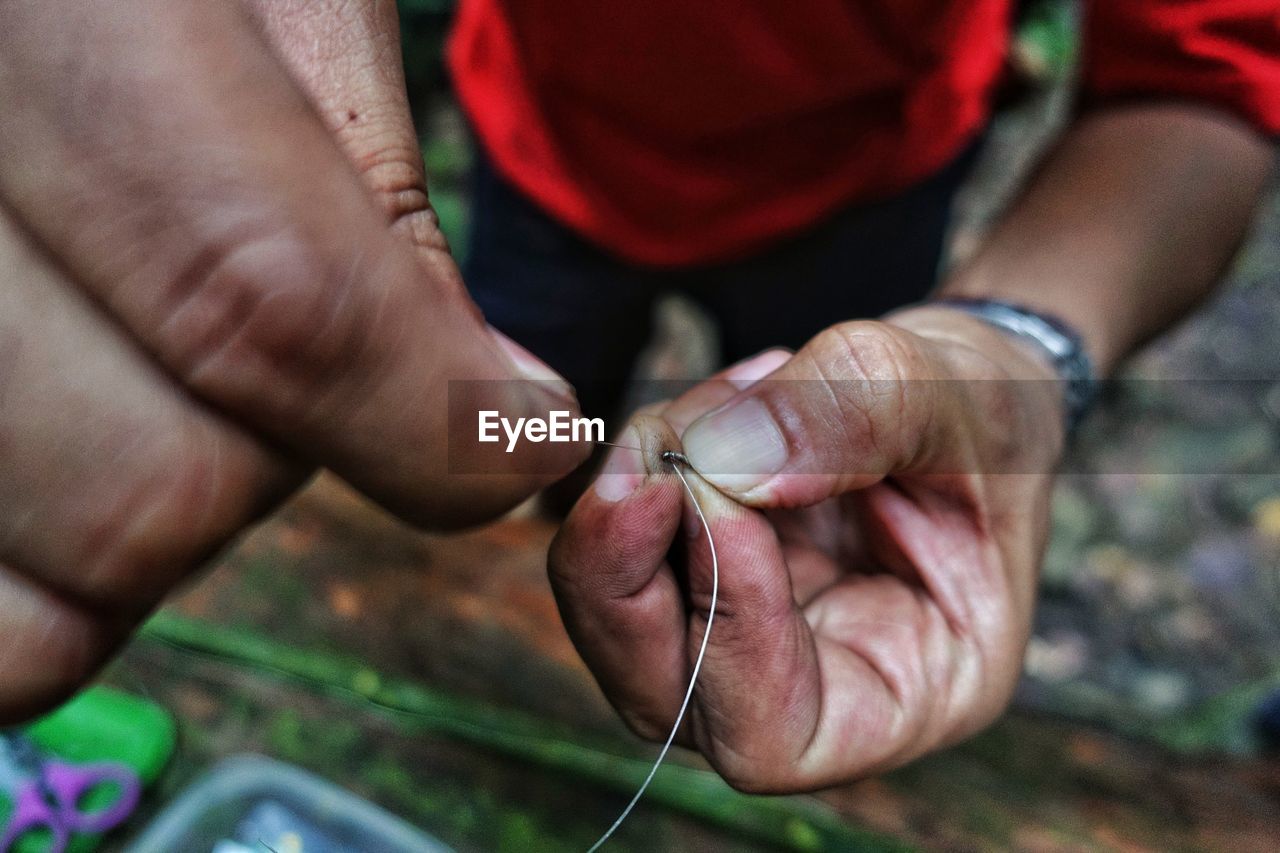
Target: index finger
[[621, 603]]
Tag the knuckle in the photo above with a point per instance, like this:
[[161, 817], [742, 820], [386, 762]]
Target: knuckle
[[642, 725], [870, 350], [267, 313], [869, 373], [750, 756], [752, 780], [148, 529], [979, 696], [394, 173], [396, 176], [746, 773]]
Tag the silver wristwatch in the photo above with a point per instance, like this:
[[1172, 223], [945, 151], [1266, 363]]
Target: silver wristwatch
[[1060, 342]]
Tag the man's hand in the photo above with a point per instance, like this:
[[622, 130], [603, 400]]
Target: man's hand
[[879, 502], [218, 271]]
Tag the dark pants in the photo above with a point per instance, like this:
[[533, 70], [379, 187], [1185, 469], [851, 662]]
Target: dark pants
[[588, 314]]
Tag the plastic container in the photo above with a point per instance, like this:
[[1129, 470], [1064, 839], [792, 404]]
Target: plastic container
[[249, 801]]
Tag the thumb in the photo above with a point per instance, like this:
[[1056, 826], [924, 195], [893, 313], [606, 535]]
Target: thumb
[[850, 408]]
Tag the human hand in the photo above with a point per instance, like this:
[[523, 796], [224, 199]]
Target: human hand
[[218, 271], [880, 505]]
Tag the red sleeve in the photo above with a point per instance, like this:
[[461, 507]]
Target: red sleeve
[[1221, 52]]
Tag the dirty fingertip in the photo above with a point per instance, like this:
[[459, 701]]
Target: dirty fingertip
[[655, 437], [624, 468], [635, 455]]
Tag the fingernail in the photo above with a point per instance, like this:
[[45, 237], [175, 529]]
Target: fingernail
[[737, 447], [532, 367], [623, 471], [744, 374]]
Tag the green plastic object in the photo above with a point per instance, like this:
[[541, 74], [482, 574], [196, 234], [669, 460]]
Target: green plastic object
[[101, 724]]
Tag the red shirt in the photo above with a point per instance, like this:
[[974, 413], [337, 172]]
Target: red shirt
[[674, 132]]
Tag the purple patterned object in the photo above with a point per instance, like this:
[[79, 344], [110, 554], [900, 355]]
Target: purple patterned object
[[46, 794]]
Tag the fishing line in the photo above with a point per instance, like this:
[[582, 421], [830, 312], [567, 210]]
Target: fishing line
[[624, 446], [677, 461]]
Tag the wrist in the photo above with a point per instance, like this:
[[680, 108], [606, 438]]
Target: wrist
[[1057, 344], [976, 351], [1101, 328]]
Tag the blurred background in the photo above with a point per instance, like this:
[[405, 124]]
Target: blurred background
[[431, 673]]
